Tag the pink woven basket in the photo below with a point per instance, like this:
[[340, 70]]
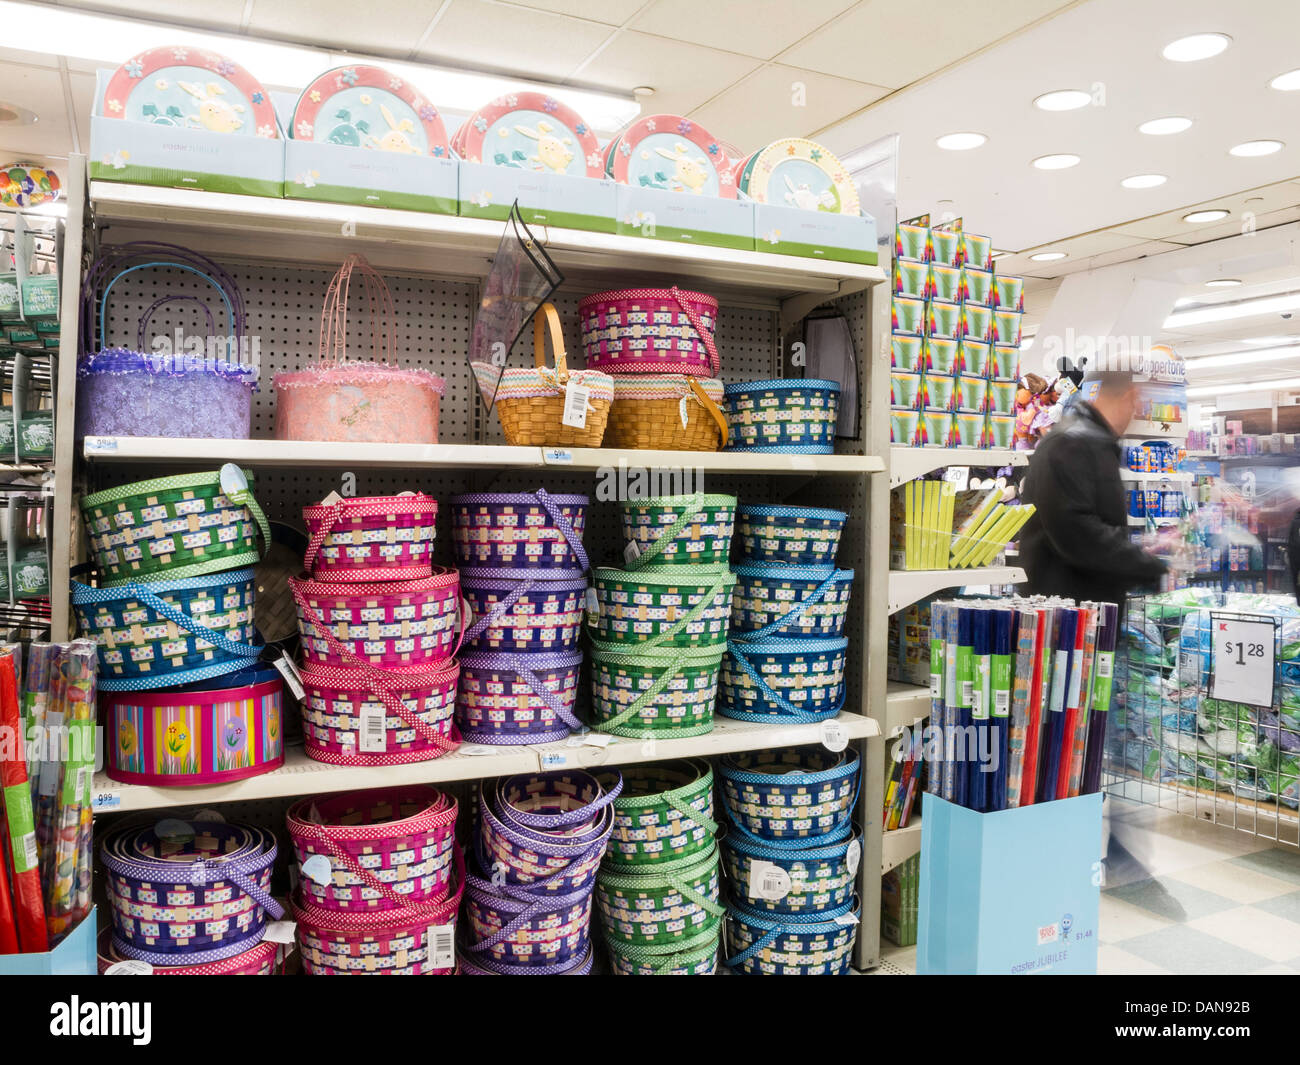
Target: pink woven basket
[[650, 330], [370, 851], [389, 624], [341, 713], [371, 538]]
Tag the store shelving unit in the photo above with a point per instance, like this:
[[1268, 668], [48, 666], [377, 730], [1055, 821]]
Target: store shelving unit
[[908, 586], [909, 463], [905, 704], [900, 844]]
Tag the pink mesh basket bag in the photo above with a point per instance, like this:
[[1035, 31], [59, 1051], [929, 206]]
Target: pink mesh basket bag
[[650, 330], [342, 399], [371, 538]]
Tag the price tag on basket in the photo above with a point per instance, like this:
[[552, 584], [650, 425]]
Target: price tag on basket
[[442, 946], [576, 400], [1242, 661], [835, 737], [768, 881]]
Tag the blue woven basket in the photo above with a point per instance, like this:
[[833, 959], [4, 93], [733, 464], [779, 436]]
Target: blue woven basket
[[157, 634], [796, 536], [811, 944], [792, 416], [775, 600], [790, 794], [820, 877], [789, 680]]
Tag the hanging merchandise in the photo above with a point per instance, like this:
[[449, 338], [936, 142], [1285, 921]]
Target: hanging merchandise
[[671, 153], [678, 530], [798, 173], [514, 533], [669, 412], [518, 699], [365, 106], [650, 331], [796, 536], [343, 399], [830, 355], [796, 416], [371, 538], [530, 131], [25, 185]]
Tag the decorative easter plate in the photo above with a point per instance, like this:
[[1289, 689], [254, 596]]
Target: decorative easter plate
[[798, 173], [670, 152], [531, 131], [192, 88], [25, 185], [369, 107]]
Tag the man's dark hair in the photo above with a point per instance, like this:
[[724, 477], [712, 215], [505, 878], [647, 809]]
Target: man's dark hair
[[1111, 382]]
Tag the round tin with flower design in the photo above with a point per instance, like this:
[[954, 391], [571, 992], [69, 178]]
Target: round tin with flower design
[[531, 131], [191, 88], [673, 153], [793, 172], [362, 106]]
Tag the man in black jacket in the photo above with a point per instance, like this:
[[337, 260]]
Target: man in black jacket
[[1077, 543]]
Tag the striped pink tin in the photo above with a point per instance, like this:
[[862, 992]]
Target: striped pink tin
[[371, 538], [650, 330]]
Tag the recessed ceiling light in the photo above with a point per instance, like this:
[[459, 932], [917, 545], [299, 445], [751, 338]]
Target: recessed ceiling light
[[1288, 82], [1197, 46], [1144, 181], [1223, 282], [643, 90], [1048, 256], [1215, 215], [1162, 127], [1056, 162], [961, 142], [13, 115], [1251, 148], [1063, 100]]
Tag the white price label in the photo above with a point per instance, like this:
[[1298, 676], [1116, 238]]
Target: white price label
[[318, 870], [853, 856], [846, 919], [552, 759], [632, 552], [597, 739], [291, 676], [1105, 664], [130, 967], [374, 730], [1001, 704], [1242, 667], [957, 476], [768, 881], [835, 737], [442, 946], [576, 400], [936, 685], [106, 800], [967, 692], [557, 456], [279, 932]]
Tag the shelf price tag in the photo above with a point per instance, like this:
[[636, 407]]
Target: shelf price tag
[[1242, 663]]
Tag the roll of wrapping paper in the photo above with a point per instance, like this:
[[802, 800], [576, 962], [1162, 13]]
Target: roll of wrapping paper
[[8, 930], [35, 686], [1039, 705], [1004, 622], [1060, 789], [69, 878], [1054, 727], [951, 700], [934, 779], [29, 915], [1099, 710], [1079, 735], [54, 749], [965, 701], [1022, 681], [977, 780]]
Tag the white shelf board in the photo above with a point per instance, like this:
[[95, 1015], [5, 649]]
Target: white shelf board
[[1143, 475], [908, 586], [908, 463], [301, 776], [1138, 523], [1202, 454], [904, 705], [900, 844], [1143, 430]]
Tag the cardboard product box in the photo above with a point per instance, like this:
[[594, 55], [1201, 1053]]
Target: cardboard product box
[[912, 279], [815, 234], [74, 956], [488, 191], [686, 218], [899, 893]]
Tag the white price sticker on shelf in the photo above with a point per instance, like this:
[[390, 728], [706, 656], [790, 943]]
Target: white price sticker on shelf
[[768, 881], [1242, 666], [957, 476], [552, 759], [835, 737]]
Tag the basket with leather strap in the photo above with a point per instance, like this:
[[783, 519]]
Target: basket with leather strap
[[794, 417], [371, 538], [668, 412], [773, 601], [787, 944], [517, 698], [530, 403], [668, 908], [531, 614], [665, 812], [783, 680], [674, 530], [170, 528], [661, 606], [811, 878], [645, 693], [509, 534], [650, 330], [795, 536], [791, 794]]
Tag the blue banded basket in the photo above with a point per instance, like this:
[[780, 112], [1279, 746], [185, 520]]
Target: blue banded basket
[[811, 944], [161, 633], [792, 416], [821, 877], [795, 793], [787, 680], [775, 600], [796, 536]]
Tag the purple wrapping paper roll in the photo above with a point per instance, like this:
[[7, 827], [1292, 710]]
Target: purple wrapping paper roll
[[1099, 714], [512, 534], [493, 685]]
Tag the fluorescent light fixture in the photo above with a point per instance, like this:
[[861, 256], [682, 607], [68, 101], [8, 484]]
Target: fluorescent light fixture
[[1063, 161], [1253, 148], [1197, 46], [960, 142], [1163, 127], [1215, 215], [1243, 358], [1236, 390], [1228, 312], [1063, 100], [1047, 256], [1144, 181], [1223, 282], [1270, 342], [1288, 82]]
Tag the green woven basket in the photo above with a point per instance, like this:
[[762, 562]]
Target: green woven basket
[[677, 530], [659, 606], [670, 908], [701, 960], [646, 694], [664, 812], [170, 528]]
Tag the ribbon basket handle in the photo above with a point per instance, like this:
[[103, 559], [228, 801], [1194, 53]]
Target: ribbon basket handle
[[565, 526], [179, 617], [715, 362]]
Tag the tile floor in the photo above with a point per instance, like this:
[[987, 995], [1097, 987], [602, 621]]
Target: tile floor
[[1189, 897]]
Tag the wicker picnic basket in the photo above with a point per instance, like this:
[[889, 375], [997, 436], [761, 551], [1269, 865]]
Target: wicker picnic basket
[[670, 412]]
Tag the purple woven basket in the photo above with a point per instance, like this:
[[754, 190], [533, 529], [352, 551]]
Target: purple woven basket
[[510, 533], [524, 615], [510, 927], [471, 965], [517, 698]]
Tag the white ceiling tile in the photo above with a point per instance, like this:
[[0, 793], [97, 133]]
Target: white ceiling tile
[[388, 27], [40, 91], [35, 59], [215, 14], [610, 12], [890, 43], [683, 75], [512, 39], [765, 28], [779, 101]]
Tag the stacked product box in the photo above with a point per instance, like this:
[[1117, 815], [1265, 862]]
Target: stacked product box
[[900, 889]]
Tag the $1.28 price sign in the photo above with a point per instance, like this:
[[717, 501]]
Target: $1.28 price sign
[[1242, 662]]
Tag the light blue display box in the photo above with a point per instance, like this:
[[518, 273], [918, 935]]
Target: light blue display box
[[145, 153], [685, 218], [1017, 891], [75, 956], [842, 238], [488, 191]]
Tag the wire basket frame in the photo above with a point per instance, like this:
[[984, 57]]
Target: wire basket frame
[[331, 348]]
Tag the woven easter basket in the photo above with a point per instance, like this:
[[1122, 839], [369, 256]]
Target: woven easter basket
[[807, 944], [530, 403], [668, 412]]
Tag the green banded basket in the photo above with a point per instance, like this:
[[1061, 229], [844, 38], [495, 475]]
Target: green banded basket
[[665, 812], [676, 530], [674, 606], [645, 694], [701, 960], [670, 908], [170, 528]]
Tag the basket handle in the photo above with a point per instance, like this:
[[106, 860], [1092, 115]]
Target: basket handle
[[548, 318], [332, 343], [179, 617], [566, 529], [669, 534], [204, 871], [790, 616], [690, 616], [712, 408], [148, 315], [715, 363], [322, 531], [235, 330], [661, 682], [544, 693], [499, 611]]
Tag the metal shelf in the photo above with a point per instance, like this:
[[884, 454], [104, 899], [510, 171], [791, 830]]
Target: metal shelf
[[908, 586], [301, 776], [909, 463], [904, 705], [1143, 475], [1143, 430], [900, 844]]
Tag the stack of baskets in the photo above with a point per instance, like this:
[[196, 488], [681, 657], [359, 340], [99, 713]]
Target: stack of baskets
[[378, 622], [376, 893], [183, 695], [657, 345], [793, 416], [785, 657], [657, 890], [537, 849], [790, 858], [659, 628], [522, 566]]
